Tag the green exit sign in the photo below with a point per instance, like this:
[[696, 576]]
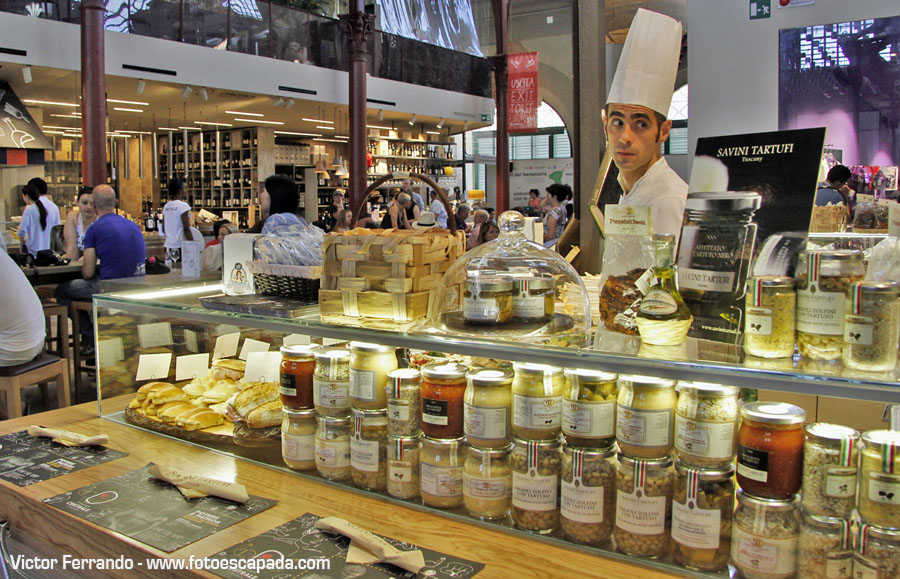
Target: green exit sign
[[760, 9], [485, 117]]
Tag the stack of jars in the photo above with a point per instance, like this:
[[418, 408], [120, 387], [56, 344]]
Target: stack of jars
[[878, 504]]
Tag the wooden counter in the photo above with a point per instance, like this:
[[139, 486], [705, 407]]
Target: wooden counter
[[504, 554]]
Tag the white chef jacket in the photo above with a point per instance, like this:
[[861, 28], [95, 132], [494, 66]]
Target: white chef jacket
[[661, 189]]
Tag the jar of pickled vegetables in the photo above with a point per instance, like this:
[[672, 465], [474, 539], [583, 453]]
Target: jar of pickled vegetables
[[764, 537], [368, 450], [331, 382], [825, 547], [403, 402], [643, 506], [879, 484], [871, 326], [769, 317], [645, 409], [589, 408], [487, 482], [369, 367], [537, 401], [770, 449], [535, 483], [587, 501], [487, 406], [876, 553], [702, 506], [442, 389]]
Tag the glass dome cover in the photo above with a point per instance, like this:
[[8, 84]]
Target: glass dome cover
[[514, 289]]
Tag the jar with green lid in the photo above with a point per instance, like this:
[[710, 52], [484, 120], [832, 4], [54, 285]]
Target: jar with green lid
[[645, 411], [535, 484], [369, 367], [403, 410], [487, 404], [403, 466], [537, 401], [764, 537], [823, 278], [589, 408], [368, 450], [333, 447], [587, 495], [872, 326], [441, 472], [825, 547], [534, 298], [769, 320], [706, 421], [702, 505], [487, 482], [331, 382], [830, 464], [643, 505], [487, 300], [879, 485], [298, 434], [876, 551]]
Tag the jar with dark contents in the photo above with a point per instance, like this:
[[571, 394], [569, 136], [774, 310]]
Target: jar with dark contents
[[764, 537], [587, 504], [403, 466], [442, 390], [643, 506], [770, 449], [368, 450], [487, 482], [702, 506], [487, 406], [487, 300], [535, 484], [589, 408], [333, 447], [441, 472], [403, 405], [825, 547], [830, 464], [298, 366], [534, 298], [331, 382]]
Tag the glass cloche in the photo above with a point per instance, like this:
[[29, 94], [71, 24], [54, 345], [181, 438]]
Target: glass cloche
[[513, 289]]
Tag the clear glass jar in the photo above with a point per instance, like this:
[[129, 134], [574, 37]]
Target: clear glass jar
[[331, 382], [442, 389], [871, 326], [830, 464], [369, 367], [770, 449], [535, 484], [441, 472], [706, 421], [645, 411], [589, 408], [825, 547], [879, 485], [876, 551], [487, 299], [298, 365], [534, 298], [368, 450], [333, 447], [298, 438], [702, 505], [403, 453], [537, 401], [764, 537], [643, 506], [487, 482], [769, 318], [403, 402], [587, 495], [822, 281], [487, 404]]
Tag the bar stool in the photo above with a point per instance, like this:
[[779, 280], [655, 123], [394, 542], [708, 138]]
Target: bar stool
[[75, 309], [46, 367], [57, 345]]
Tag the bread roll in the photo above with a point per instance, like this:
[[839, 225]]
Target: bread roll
[[182, 418], [203, 419], [254, 396], [169, 412], [171, 394], [269, 414], [149, 387], [230, 368]]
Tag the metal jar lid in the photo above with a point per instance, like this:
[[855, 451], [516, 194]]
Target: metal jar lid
[[875, 532], [722, 201], [308, 413], [449, 443], [403, 377], [707, 389], [591, 453], [880, 439], [771, 281], [706, 474], [445, 370], [773, 413], [586, 376], [490, 376], [479, 452], [887, 288], [333, 421], [370, 348], [370, 417], [635, 380], [329, 354], [768, 504], [838, 255], [534, 282], [300, 350], [825, 433], [489, 283], [652, 463], [404, 440], [542, 445], [537, 369]]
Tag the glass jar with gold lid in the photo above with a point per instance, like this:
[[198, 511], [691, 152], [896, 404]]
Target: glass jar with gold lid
[[537, 401], [487, 406], [488, 299], [589, 408], [769, 323], [369, 367], [331, 382], [645, 412]]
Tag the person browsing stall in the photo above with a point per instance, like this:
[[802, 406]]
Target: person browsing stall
[[176, 225], [77, 222], [556, 217], [396, 217]]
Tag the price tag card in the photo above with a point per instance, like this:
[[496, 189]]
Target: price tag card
[[895, 417], [155, 335], [223, 329], [110, 351], [190, 258], [251, 345], [226, 346], [331, 341], [190, 341], [263, 367], [191, 366], [153, 367], [894, 220], [295, 340]]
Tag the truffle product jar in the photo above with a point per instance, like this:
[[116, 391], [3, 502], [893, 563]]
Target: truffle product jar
[[645, 410], [830, 463], [822, 281], [369, 367], [537, 401], [589, 408], [403, 404], [764, 537], [333, 447], [298, 365], [587, 495], [879, 485], [535, 484], [876, 551], [403, 466], [442, 389], [770, 449], [487, 404], [871, 326], [331, 382], [643, 506], [298, 438], [706, 421], [487, 482], [368, 450], [825, 547], [534, 299], [441, 472], [769, 320], [702, 506], [487, 300]]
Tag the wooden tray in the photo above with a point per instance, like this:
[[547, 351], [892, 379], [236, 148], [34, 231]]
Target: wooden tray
[[222, 434]]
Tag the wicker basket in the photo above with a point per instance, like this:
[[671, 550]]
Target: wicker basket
[[287, 281]]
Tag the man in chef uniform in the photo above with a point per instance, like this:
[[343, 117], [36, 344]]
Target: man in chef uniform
[[634, 119]]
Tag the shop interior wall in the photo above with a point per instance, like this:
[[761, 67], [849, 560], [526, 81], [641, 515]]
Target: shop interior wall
[[135, 188]]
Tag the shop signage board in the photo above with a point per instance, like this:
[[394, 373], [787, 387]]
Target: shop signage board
[[523, 99], [538, 174], [26, 460], [760, 9]]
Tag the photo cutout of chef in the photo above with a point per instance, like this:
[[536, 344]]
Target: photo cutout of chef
[[635, 123]]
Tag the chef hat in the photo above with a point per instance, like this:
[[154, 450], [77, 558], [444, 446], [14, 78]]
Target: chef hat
[[649, 62]]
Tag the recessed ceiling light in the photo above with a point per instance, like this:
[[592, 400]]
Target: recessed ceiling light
[[325, 127], [189, 128], [245, 114], [298, 134], [167, 129], [433, 132], [259, 121], [327, 122], [213, 124], [124, 110], [57, 103], [121, 102], [380, 127], [69, 116]]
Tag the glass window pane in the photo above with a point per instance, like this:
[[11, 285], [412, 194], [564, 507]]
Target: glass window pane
[[205, 24], [540, 147], [250, 27], [562, 148]]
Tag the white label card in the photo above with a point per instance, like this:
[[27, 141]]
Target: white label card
[[191, 366], [894, 220], [153, 367], [295, 340], [251, 345], [895, 417], [190, 341], [331, 341], [226, 346], [628, 220], [155, 335], [190, 258], [110, 351], [263, 367]]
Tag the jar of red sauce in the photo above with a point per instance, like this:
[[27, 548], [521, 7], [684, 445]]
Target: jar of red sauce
[[298, 366], [442, 390], [770, 450]]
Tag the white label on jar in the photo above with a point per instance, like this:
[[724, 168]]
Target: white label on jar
[[646, 281], [398, 410], [400, 471], [485, 488], [884, 488], [839, 565], [658, 302], [759, 321], [700, 279], [364, 454], [331, 394], [858, 330], [435, 412], [705, 439], [486, 422], [864, 568], [362, 384], [775, 556], [753, 463], [640, 514], [537, 412], [333, 454], [441, 481], [695, 527], [643, 427], [840, 482], [298, 447], [480, 309], [589, 419], [534, 492], [580, 503], [528, 306], [820, 312]]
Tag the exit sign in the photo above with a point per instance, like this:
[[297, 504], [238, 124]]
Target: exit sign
[[760, 9], [486, 118]]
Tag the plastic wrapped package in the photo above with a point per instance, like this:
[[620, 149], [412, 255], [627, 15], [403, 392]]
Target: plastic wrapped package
[[446, 23], [289, 241], [884, 262], [627, 258]]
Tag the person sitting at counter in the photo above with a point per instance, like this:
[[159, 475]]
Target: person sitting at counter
[[21, 317], [221, 228], [37, 221], [344, 221], [278, 203], [176, 223], [462, 213], [481, 216], [77, 222], [396, 217]]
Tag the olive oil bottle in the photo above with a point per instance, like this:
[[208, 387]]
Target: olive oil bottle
[[663, 318]]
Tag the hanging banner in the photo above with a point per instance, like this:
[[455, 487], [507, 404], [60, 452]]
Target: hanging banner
[[523, 92]]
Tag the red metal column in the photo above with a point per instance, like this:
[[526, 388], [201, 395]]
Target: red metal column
[[93, 94], [358, 25], [501, 94]]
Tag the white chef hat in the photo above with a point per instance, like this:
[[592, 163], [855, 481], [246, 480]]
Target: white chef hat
[[648, 65]]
